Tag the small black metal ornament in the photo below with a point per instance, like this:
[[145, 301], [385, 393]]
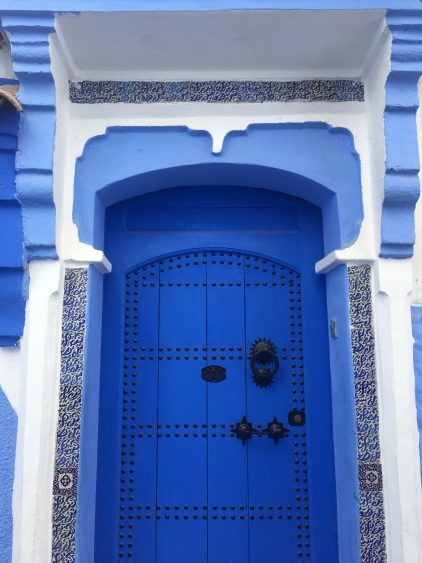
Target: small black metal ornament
[[264, 362], [275, 430], [244, 430], [213, 374], [296, 418]]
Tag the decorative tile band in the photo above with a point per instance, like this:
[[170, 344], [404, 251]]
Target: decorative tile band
[[372, 523], [222, 91], [371, 503], [70, 404]]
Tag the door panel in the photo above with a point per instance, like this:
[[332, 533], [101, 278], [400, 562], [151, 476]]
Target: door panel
[[181, 459], [273, 472], [227, 463], [191, 491], [138, 444]]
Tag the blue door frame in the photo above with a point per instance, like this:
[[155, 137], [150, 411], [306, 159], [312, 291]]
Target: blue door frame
[[259, 232]]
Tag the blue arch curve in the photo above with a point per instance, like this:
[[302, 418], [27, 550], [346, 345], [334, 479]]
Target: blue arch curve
[[313, 161]]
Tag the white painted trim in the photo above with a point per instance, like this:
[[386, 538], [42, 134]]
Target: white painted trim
[[38, 407], [346, 256], [103, 265], [398, 429]]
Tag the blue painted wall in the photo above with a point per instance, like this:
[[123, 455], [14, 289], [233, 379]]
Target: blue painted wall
[[12, 301], [401, 183], [8, 426], [417, 361], [29, 42]]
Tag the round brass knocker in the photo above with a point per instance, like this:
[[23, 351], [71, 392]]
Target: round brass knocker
[[264, 362]]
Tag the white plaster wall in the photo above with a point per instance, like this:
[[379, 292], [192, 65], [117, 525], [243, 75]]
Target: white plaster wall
[[396, 397], [219, 45], [37, 408]]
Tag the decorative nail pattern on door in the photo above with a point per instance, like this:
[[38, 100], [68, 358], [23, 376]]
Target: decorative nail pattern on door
[[190, 487]]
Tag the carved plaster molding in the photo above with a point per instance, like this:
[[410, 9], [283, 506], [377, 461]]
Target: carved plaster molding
[[28, 34], [401, 185]]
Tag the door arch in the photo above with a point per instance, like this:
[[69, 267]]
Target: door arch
[[199, 274]]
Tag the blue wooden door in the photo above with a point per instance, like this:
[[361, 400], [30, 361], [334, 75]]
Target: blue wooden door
[[177, 480]]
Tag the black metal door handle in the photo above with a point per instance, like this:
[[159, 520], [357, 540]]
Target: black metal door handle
[[264, 362]]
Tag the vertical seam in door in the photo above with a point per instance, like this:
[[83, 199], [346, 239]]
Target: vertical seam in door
[[157, 415], [246, 401]]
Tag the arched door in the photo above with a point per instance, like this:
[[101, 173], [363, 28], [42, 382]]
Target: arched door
[[215, 424]]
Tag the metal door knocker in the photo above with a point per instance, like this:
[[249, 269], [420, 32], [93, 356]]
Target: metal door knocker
[[264, 362]]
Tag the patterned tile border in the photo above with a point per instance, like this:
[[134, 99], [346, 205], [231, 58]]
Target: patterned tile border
[[372, 524], [70, 403], [371, 503], [224, 91]]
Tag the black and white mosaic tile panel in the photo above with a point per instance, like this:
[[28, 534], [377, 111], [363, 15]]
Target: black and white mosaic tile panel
[[70, 404], [372, 523], [221, 91], [371, 503]]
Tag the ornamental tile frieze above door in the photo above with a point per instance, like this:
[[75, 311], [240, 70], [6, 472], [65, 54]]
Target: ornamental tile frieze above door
[[221, 91]]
